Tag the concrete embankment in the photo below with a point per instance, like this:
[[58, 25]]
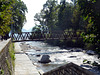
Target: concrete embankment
[[23, 65], [6, 61]]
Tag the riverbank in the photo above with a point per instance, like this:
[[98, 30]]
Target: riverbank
[[58, 56], [23, 65], [6, 57]]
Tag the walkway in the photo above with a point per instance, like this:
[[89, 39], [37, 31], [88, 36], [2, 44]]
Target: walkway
[[3, 44], [23, 65]]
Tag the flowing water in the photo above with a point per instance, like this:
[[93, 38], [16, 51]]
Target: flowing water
[[58, 56]]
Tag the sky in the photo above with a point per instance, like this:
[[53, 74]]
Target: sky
[[34, 6]]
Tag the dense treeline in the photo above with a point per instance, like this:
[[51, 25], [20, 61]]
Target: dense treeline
[[83, 15], [61, 16], [91, 13], [12, 12]]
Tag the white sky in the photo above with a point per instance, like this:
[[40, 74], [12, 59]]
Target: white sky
[[34, 6]]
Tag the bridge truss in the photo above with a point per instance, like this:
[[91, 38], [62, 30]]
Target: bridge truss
[[32, 36]]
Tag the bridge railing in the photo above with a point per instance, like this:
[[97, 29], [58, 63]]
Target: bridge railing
[[46, 36], [69, 69]]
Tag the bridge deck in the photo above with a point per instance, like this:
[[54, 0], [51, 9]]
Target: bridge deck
[[31, 36]]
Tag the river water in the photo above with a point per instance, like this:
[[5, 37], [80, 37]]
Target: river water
[[36, 49]]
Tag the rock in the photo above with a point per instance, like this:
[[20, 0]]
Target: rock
[[27, 44], [38, 55], [88, 62], [72, 56], [22, 43], [71, 50], [38, 50], [30, 46], [95, 63], [98, 66], [90, 52], [45, 59], [26, 53], [85, 61], [79, 50]]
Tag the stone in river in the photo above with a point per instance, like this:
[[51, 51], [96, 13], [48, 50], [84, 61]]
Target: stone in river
[[38, 50], [38, 55], [90, 52], [73, 56], [27, 44], [45, 59], [79, 50]]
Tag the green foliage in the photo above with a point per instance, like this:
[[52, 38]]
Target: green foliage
[[19, 18], [76, 18], [5, 16], [91, 13], [11, 12], [50, 9], [61, 17], [95, 64], [8, 65], [65, 15], [12, 54], [1, 72], [11, 51], [84, 61], [37, 29]]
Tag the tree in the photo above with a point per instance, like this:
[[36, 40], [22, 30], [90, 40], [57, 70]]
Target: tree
[[48, 15], [37, 32], [19, 18], [11, 12], [65, 15], [37, 29], [5, 16], [78, 22], [91, 12], [38, 18], [50, 10]]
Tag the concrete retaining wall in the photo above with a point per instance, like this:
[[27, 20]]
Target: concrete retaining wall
[[69, 69], [5, 59]]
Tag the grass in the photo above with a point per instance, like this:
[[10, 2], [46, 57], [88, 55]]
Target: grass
[[12, 53], [1, 72], [12, 57], [9, 68]]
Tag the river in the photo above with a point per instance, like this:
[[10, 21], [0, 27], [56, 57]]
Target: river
[[36, 49]]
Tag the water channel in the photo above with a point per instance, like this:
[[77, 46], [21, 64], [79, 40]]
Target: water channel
[[36, 49]]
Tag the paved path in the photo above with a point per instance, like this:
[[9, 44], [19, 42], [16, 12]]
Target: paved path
[[23, 65], [3, 44]]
